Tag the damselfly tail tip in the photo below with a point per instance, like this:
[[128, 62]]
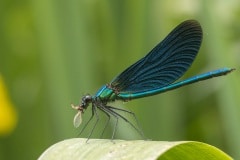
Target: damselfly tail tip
[[231, 70], [226, 71]]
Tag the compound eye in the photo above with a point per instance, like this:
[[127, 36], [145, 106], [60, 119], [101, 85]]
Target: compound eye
[[86, 99]]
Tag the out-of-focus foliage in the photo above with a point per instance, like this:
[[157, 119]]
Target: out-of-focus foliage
[[8, 115], [53, 52]]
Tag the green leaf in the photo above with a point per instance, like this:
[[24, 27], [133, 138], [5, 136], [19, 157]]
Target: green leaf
[[79, 148]]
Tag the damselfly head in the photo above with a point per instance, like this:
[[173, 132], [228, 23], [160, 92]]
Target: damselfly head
[[86, 100]]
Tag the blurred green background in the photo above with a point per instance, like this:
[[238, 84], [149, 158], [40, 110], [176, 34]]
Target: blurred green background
[[52, 52]]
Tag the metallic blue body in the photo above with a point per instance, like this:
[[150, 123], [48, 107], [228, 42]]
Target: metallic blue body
[[161, 67], [215, 73], [107, 94]]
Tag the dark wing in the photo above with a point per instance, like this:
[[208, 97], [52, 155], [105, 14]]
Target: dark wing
[[165, 63]]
